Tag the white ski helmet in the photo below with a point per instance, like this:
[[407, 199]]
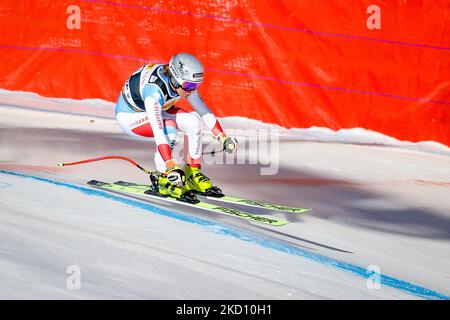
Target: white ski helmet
[[186, 71]]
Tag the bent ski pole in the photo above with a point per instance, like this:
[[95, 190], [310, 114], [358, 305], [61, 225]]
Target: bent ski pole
[[62, 164]]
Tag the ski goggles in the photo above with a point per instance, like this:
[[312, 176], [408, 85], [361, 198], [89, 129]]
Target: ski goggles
[[186, 86], [189, 86]]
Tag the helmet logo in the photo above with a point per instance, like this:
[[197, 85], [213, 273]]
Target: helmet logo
[[183, 72], [174, 72]]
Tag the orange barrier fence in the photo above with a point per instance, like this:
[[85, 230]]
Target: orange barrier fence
[[379, 65]]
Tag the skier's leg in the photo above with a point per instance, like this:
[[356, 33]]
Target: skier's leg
[[191, 124], [170, 129], [136, 124]]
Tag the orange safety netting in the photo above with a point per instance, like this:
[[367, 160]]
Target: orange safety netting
[[290, 62]]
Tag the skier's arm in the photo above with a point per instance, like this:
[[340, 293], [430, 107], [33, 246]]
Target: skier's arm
[[153, 105], [228, 144], [207, 116]]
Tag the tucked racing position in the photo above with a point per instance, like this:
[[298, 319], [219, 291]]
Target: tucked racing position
[[146, 108]]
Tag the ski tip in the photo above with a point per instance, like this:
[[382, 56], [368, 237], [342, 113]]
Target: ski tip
[[96, 183], [303, 210], [61, 164], [294, 210]]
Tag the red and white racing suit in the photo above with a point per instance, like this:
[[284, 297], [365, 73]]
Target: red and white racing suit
[[145, 108]]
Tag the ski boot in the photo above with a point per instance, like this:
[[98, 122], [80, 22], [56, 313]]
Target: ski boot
[[164, 188], [199, 183]]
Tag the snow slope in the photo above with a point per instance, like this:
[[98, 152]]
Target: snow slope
[[377, 202]]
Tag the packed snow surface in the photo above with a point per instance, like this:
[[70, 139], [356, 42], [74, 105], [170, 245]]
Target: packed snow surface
[[377, 204]]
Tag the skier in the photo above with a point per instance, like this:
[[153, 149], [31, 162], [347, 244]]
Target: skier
[[146, 108]]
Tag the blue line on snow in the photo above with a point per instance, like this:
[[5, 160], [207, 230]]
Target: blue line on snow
[[249, 237]]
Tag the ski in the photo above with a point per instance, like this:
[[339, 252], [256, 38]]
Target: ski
[[234, 200], [147, 192]]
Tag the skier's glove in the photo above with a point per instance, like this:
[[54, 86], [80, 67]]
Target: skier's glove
[[228, 144], [174, 173]]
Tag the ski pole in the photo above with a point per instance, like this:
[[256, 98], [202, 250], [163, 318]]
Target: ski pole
[[62, 164], [231, 147], [213, 152]]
